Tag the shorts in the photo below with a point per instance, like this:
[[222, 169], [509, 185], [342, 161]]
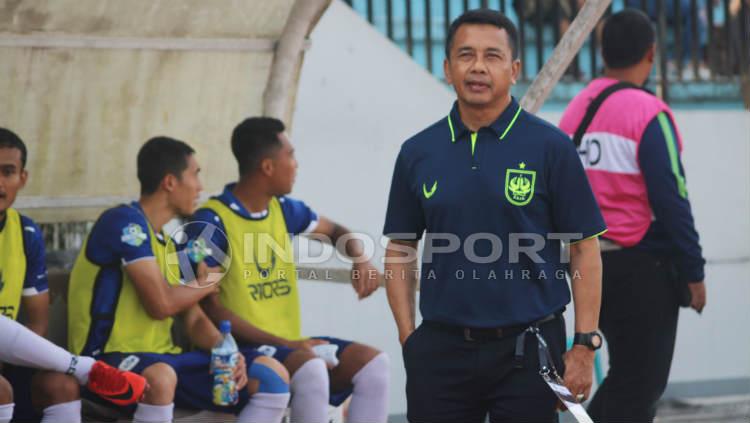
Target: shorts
[[194, 381]]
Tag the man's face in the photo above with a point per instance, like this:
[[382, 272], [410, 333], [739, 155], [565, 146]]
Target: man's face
[[12, 177], [284, 169], [186, 190], [481, 67]]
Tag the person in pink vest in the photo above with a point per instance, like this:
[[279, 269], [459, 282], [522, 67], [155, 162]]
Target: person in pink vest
[[652, 258]]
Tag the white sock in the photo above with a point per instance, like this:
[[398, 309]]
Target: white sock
[[25, 348], [310, 387], [68, 412], [6, 412], [147, 413], [264, 408], [370, 395]]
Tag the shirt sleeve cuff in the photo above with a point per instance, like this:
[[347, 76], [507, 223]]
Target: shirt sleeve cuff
[[589, 235]]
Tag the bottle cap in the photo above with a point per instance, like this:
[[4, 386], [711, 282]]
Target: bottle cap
[[225, 326]]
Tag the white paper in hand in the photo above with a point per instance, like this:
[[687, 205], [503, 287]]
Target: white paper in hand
[[328, 353], [568, 400]]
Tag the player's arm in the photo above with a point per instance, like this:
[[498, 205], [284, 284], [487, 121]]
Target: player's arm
[[401, 284], [199, 328], [35, 296], [37, 312], [160, 299], [244, 331], [365, 277]]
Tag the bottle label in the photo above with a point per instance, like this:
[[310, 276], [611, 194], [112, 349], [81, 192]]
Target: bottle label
[[224, 389]]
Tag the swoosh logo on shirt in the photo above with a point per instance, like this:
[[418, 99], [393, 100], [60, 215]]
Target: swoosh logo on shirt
[[431, 192]]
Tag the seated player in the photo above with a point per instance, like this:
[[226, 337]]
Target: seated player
[[22, 347], [125, 292], [23, 283], [259, 294]]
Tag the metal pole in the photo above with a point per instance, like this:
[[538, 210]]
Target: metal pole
[[522, 40], [695, 40], [728, 37], [712, 58], [678, 37], [409, 34], [389, 18], [662, 32], [428, 33], [569, 45], [744, 41], [539, 30]]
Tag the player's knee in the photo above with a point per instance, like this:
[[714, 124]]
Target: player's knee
[[297, 359], [271, 376], [161, 378], [375, 374], [54, 388], [274, 365], [6, 391], [357, 356]]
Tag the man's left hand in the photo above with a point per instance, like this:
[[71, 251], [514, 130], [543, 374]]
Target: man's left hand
[[579, 370], [365, 279]]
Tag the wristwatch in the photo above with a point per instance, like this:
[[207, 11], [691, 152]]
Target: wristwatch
[[592, 340]]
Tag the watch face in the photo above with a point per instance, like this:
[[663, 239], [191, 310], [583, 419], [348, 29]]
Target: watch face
[[596, 341]]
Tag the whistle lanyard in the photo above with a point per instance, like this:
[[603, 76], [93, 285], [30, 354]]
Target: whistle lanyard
[[548, 372]]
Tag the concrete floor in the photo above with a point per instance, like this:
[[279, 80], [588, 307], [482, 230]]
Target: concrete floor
[[728, 409]]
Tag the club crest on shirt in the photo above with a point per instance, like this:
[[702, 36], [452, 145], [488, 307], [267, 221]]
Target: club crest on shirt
[[133, 235], [519, 185]]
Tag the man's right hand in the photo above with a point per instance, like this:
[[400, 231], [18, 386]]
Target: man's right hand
[[305, 344], [403, 335], [698, 295]]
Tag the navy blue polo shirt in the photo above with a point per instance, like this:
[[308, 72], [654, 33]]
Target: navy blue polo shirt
[[518, 182]]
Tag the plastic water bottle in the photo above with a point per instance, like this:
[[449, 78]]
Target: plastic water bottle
[[224, 358]]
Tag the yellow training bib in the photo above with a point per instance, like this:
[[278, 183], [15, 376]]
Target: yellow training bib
[[261, 284], [12, 264]]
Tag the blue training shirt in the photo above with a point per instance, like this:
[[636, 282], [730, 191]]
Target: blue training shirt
[[517, 182]]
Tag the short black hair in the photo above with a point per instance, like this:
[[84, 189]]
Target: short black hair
[[254, 139], [9, 139], [159, 157], [483, 17], [626, 37]]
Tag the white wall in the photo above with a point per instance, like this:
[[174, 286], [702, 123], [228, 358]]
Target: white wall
[[360, 98]]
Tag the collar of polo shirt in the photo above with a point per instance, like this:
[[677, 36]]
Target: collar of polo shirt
[[501, 126]]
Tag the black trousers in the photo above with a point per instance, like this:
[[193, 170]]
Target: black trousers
[[451, 379], [639, 321]]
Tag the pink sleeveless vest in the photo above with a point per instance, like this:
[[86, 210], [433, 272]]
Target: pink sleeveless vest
[[609, 153]]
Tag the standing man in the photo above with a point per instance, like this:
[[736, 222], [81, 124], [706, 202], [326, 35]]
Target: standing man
[[259, 293], [488, 176], [651, 253]]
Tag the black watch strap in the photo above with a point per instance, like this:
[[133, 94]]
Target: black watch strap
[[592, 340]]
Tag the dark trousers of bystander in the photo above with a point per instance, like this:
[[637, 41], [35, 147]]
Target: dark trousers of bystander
[[639, 321]]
